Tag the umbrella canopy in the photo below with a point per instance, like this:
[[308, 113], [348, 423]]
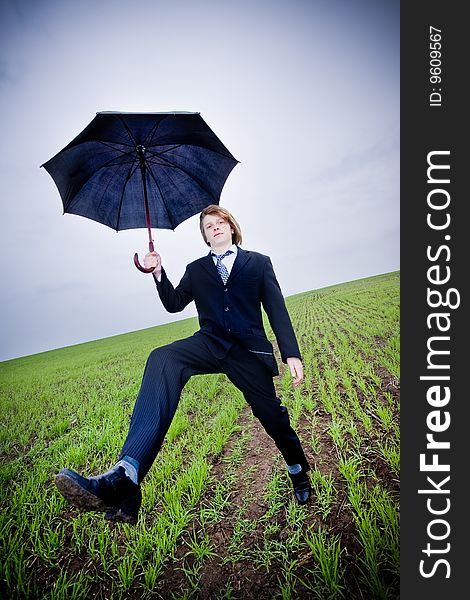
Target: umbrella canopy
[[136, 170]]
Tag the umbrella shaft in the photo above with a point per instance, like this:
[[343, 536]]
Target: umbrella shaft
[[140, 152]]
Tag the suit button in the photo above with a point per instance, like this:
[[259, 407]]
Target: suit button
[[225, 289], [226, 308]]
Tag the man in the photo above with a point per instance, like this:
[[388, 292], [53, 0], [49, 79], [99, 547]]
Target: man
[[228, 286]]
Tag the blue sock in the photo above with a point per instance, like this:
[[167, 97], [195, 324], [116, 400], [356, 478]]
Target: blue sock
[[131, 467], [294, 469]]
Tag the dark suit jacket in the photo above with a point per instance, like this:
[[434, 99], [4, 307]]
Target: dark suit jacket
[[231, 313]]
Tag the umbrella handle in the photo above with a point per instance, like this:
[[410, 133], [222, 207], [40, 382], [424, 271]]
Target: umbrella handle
[[140, 267]]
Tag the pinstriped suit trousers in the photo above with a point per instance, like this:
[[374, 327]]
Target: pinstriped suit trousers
[[167, 371]]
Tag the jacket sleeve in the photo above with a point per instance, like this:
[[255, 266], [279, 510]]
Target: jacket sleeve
[[175, 299], [279, 319]]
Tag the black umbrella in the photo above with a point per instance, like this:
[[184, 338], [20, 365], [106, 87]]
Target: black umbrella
[[135, 170]]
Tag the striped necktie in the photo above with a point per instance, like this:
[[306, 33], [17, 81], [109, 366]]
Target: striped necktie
[[221, 268]]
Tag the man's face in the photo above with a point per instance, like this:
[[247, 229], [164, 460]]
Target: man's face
[[217, 231]]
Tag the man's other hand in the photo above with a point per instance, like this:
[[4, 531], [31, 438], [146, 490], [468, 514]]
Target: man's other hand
[[296, 370]]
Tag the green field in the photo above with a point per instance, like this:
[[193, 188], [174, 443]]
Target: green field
[[218, 518]]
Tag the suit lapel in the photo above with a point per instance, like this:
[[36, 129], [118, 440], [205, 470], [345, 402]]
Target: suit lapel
[[240, 261], [208, 263]]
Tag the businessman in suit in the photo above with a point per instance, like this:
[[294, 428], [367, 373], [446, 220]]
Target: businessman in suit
[[228, 286]]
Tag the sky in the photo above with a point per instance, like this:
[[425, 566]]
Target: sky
[[304, 93]]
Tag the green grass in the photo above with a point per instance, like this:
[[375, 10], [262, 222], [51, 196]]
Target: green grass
[[71, 407]]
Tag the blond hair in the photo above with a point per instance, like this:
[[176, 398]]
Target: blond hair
[[215, 209]]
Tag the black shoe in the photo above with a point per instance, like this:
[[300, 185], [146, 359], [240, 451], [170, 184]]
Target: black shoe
[[302, 489], [112, 493]]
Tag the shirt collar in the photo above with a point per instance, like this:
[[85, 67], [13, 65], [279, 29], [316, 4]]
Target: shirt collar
[[233, 248]]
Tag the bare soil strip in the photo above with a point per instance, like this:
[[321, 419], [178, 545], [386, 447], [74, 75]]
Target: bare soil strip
[[251, 476]]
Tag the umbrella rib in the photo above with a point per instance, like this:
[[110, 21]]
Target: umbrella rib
[[152, 132], [102, 196], [154, 153], [129, 132], [173, 226], [225, 155], [113, 147], [109, 163], [129, 175], [197, 181]]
